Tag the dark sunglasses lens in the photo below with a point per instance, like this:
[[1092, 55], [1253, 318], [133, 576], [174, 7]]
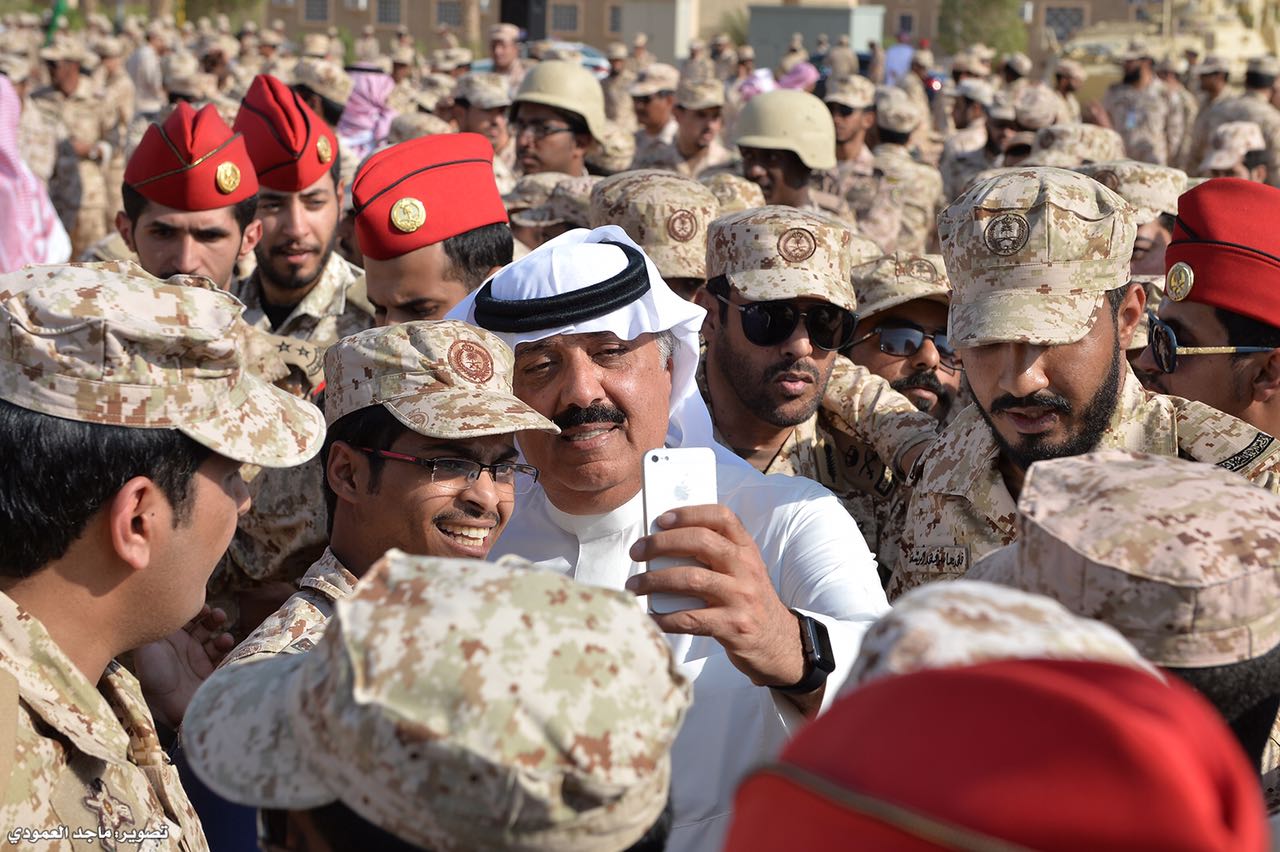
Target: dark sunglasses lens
[[840, 110], [829, 327], [900, 341], [1163, 346], [769, 323], [946, 352]]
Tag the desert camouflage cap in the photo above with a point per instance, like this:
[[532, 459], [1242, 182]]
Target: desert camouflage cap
[[976, 90], [1212, 64], [404, 56], [853, 91], [107, 343], [458, 704], [616, 50], [968, 622], [1035, 107], [1265, 66], [665, 213], [504, 32], [1172, 64], [614, 151], [700, 94], [658, 77], [444, 379], [532, 191], [568, 203], [895, 279], [1031, 254], [1230, 141], [734, 192], [483, 90], [315, 45], [1149, 189], [1182, 558], [895, 111], [1066, 146], [325, 78], [922, 57], [1019, 63], [1069, 68], [780, 252], [414, 125]]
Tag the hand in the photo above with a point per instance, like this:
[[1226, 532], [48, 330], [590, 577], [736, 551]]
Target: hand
[[743, 612], [171, 669]]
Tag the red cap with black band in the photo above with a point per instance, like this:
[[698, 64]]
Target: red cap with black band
[[424, 191], [291, 147], [192, 161], [1225, 250]]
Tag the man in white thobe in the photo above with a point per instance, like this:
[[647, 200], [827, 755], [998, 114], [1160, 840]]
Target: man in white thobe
[[608, 352]]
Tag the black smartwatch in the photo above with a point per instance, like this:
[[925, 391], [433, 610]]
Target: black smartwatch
[[819, 659]]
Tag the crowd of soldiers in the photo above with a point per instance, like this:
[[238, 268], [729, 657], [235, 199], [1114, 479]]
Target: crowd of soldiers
[[327, 375]]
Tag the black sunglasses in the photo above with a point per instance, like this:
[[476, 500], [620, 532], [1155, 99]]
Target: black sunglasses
[[1165, 349], [769, 323], [904, 341], [840, 110]]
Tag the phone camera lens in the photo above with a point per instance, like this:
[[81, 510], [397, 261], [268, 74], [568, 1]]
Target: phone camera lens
[[653, 457]]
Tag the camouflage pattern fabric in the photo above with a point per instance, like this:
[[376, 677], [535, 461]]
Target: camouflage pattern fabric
[[960, 508], [1144, 121], [522, 710], [78, 186], [1255, 107], [85, 756], [714, 157], [1150, 190], [1230, 142], [874, 202], [969, 622], [917, 189], [1070, 145], [735, 193], [667, 215]]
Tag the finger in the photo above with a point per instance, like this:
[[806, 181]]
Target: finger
[[712, 516], [692, 544], [194, 623], [693, 622], [691, 580]]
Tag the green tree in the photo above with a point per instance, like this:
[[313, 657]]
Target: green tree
[[996, 23]]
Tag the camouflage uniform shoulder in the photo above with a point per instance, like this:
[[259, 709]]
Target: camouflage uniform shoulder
[[1214, 437], [947, 466]]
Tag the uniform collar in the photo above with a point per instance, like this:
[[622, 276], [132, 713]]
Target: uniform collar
[[329, 576], [327, 298]]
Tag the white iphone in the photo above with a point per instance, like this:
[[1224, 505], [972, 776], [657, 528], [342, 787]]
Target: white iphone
[[683, 476]]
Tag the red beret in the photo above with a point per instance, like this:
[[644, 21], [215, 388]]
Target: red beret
[[423, 191], [1225, 250], [1048, 755], [291, 147], [192, 162]]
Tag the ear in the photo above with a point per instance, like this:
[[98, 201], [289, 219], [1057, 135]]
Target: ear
[[135, 515], [1266, 384], [1130, 314], [1259, 173], [125, 227], [710, 304], [347, 472], [250, 238]]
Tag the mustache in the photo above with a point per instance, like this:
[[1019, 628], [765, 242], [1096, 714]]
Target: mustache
[[1044, 399], [798, 367], [466, 515], [598, 413], [294, 248], [924, 380]]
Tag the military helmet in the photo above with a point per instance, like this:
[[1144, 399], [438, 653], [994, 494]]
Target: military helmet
[[789, 120], [567, 86]]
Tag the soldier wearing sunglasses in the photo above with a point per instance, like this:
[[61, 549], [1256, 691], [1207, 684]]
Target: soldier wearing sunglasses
[[1216, 335], [1043, 305], [420, 456], [780, 304]]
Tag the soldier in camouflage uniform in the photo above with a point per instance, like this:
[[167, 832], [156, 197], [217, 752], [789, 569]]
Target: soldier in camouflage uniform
[[481, 103], [766, 397], [696, 148], [117, 94], [304, 291], [135, 391], [77, 186], [440, 390], [1041, 257], [1211, 75], [1236, 149], [475, 706], [1128, 538], [979, 142], [917, 187], [1255, 105], [618, 107], [667, 215], [1138, 109], [1171, 71], [38, 130], [1068, 76], [653, 98]]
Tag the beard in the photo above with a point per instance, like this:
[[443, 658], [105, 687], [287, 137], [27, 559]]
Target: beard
[[927, 380], [754, 390], [295, 280], [1094, 420], [1132, 77]]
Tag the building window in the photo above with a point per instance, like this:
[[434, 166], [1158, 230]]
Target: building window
[[388, 11], [316, 10], [906, 23], [1064, 20], [288, 3], [615, 19], [449, 13], [564, 17]]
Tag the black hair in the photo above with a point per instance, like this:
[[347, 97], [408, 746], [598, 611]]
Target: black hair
[[1247, 695], [720, 286], [1167, 221], [1255, 158], [330, 111], [335, 171], [1247, 331], [894, 138], [1254, 80], [135, 203], [473, 253], [60, 473], [1115, 298], [374, 427]]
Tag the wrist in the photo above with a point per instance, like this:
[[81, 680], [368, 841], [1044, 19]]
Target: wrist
[[817, 656]]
